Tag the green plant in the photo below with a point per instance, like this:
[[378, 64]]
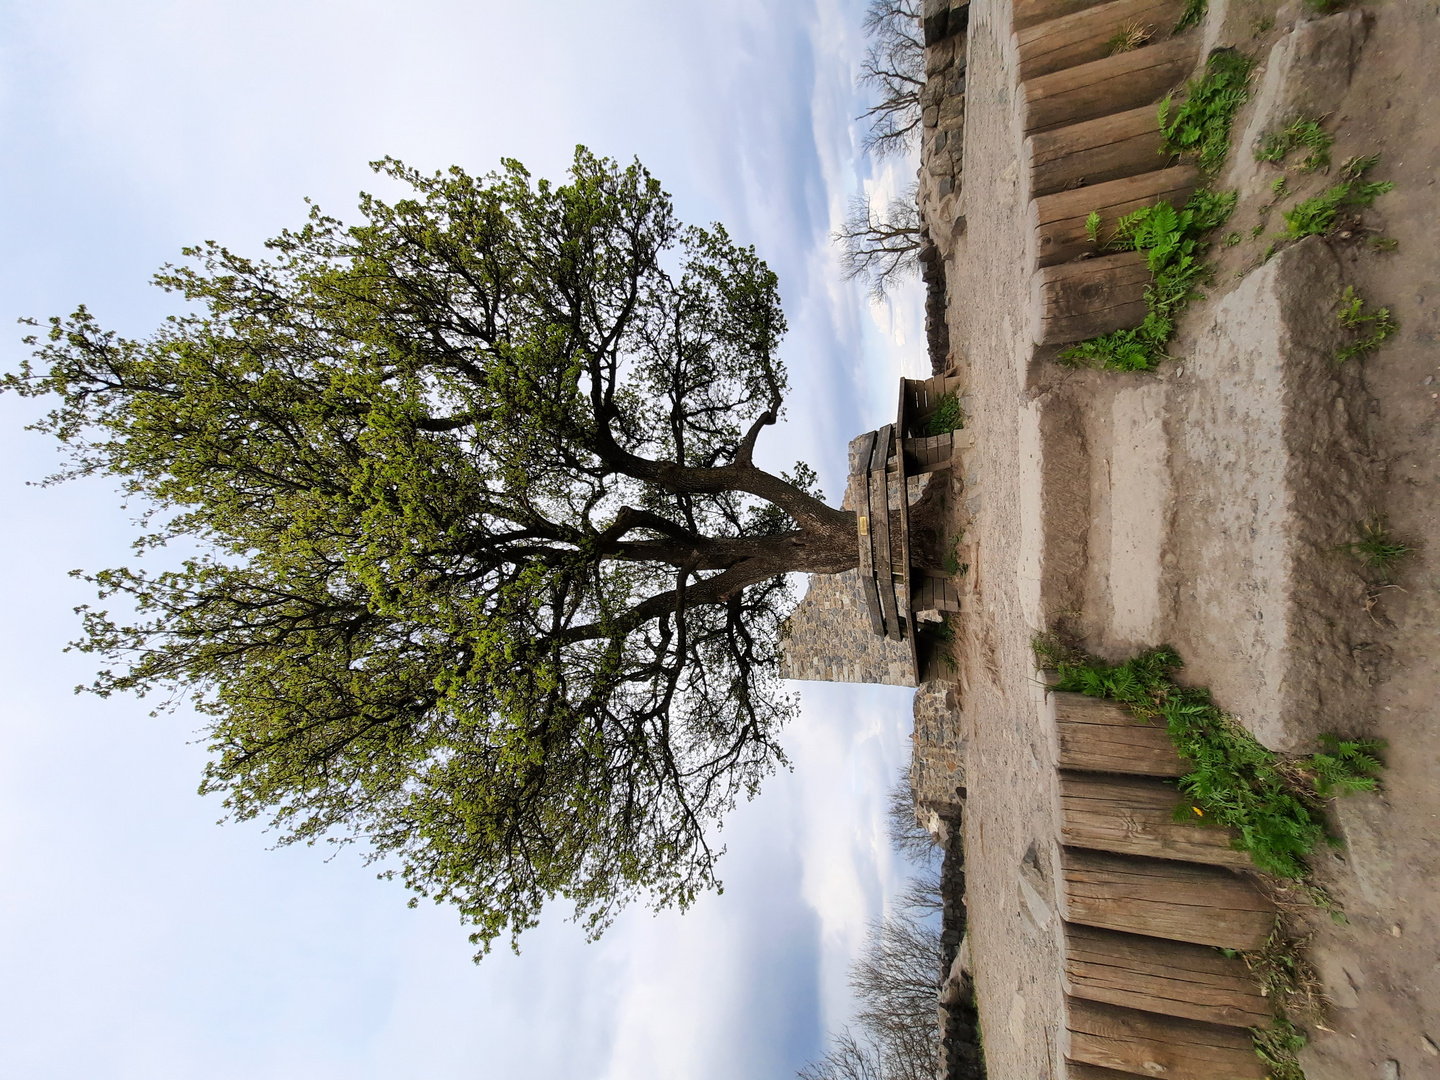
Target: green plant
[[1171, 240], [1379, 323], [1257, 232], [1280, 187], [1299, 132], [1191, 16], [1128, 38], [1201, 126], [1262, 25], [1377, 548], [951, 562], [1277, 1046], [1317, 215], [1231, 239], [1325, 6], [947, 417], [1384, 243], [1275, 806], [1092, 227]]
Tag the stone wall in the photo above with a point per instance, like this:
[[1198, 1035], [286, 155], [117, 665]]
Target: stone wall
[[942, 103]]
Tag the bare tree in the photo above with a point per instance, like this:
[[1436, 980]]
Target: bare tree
[[894, 67], [880, 248]]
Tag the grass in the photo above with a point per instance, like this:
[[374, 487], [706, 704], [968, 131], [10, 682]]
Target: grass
[[1171, 241], [1384, 243], [1278, 1046], [1374, 328], [1232, 238], [1301, 132], [951, 563], [1324, 6], [1280, 187], [1128, 38], [1191, 16], [947, 417], [1317, 216], [1377, 549], [1276, 806], [1200, 127]]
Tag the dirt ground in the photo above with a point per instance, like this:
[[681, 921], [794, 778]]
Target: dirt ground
[[1203, 505]]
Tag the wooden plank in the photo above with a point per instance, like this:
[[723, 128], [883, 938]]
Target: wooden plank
[[1027, 13], [1170, 977], [860, 485], [1079, 300], [1059, 219], [1075, 1070], [1112, 85], [1206, 905], [1136, 816], [1099, 735], [1086, 35], [1107, 148], [900, 573], [1150, 1045], [880, 532]]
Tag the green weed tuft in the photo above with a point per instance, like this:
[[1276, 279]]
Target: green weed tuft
[[1280, 187], [1092, 227], [1276, 807], [947, 417], [1277, 1046], [1316, 216], [1375, 328], [1170, 239], [1201, 126], [1384, 243], [1232, 238], [1128, 38], [1300, 132], [1191, 16], [1377, 549]]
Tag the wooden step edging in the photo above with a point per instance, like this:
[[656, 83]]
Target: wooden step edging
[[1108, 148], [1115, 84], [1027, 13], [1100, 735], [1058, 221], [1086, 35], [1146, 1044], [1135, 815], [1204, 905], [1079, 300], [1173, 978]]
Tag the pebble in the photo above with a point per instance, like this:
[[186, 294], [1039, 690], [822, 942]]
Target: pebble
[[1390, 1070], [1428, 378], [1428, 1046]]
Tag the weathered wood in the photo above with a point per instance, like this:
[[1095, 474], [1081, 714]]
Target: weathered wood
[[1026, 13], [934, 593], [1206, 905], [1075, 1070], [1136, 816], [929, 453], [1150, 1045], [1174, 978], [1059, 219], [1107, 148], [1079, 300], [880, 531], [921, 398], [860, 487], [1086, 35], [1112, 85], [1100, 735]]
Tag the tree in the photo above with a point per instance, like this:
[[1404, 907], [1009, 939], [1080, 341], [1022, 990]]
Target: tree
[[894, 67], [897, 979], [484, 572], [880, 248]]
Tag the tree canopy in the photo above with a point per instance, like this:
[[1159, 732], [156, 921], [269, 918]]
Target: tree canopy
[[482, 570]]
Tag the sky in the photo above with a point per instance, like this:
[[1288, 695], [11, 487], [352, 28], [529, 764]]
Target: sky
[[138, 937]]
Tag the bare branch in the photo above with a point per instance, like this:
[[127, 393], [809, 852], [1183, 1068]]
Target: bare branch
[[894, 67], [880, 248]]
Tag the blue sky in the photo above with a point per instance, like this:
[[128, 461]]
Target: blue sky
[[139, 938]]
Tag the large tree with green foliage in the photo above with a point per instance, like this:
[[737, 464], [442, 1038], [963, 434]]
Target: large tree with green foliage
[[483, 572]]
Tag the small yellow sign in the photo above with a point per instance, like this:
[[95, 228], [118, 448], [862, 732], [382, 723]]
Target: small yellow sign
[[864, 525]]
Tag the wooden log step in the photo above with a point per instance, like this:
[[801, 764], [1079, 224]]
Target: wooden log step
[[1115, 84], [1075, 1070], [1173, 978], [1108, 148], [1135, 815], [928, 453], [1100, 735], [1205, 905], [1059, 219], [1089, 34], [1083, 299], [1145, 1044], [1026, 13], [860, 499], [880, 531]]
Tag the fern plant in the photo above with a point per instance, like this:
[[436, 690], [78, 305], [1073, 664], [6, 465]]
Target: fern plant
[[1276, 807], [1200, 127]]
